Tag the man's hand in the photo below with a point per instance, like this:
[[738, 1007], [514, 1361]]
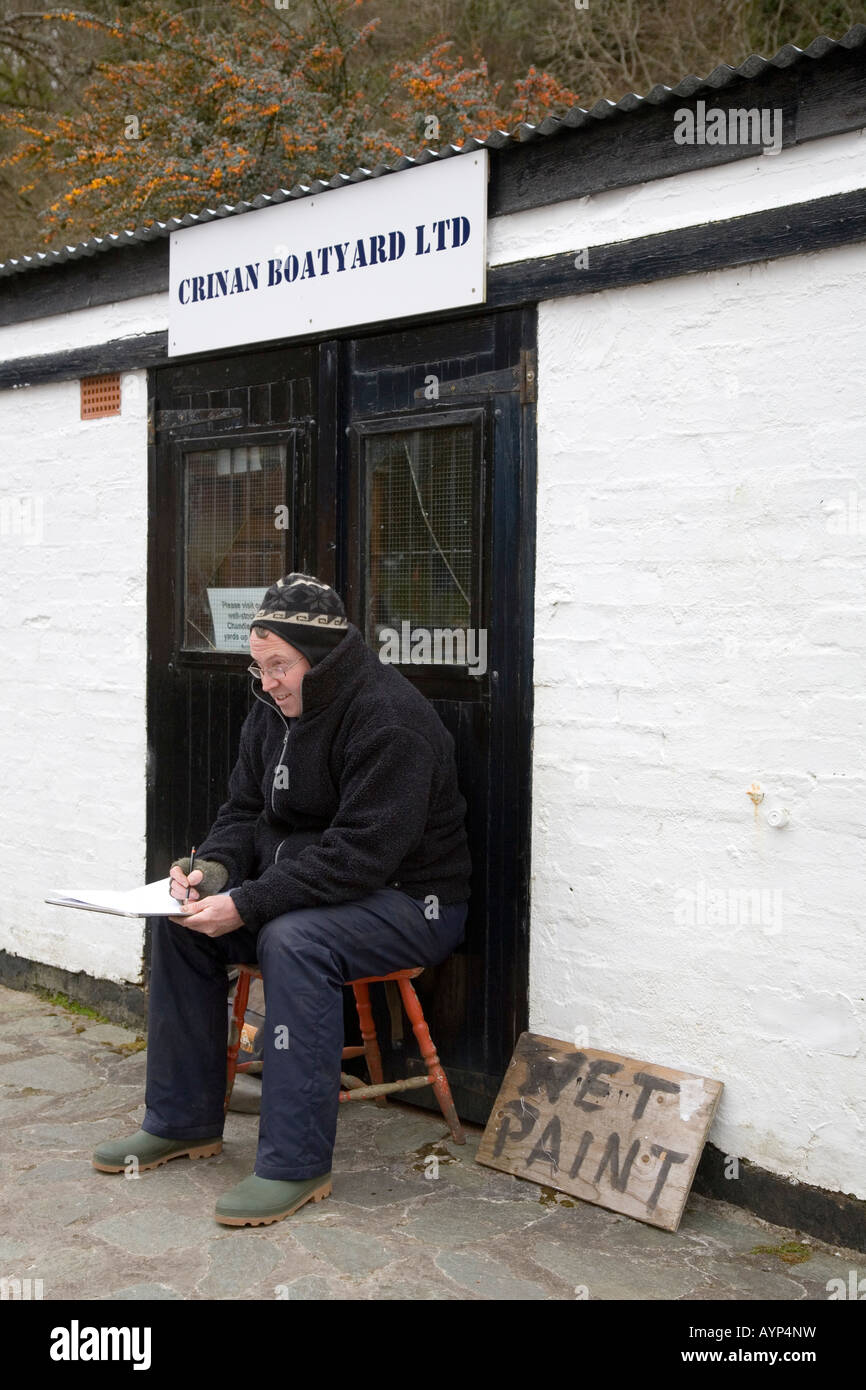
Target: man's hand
[[210, 876], [212, 916], [180, 882]]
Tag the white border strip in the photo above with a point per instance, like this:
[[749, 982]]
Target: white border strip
[[80, 328], [817, 169]]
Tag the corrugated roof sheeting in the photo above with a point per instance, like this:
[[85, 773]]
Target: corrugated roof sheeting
[[690, 86]]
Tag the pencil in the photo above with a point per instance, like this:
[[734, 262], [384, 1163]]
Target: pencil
[[191, 867]]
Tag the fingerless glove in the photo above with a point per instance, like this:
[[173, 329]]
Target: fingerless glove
[[214, 874]]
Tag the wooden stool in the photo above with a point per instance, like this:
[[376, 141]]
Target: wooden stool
[[355, 1088]]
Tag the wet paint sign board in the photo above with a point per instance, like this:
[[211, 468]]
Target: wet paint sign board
[[622, 1133]]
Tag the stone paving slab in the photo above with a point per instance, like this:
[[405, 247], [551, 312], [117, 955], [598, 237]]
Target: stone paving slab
[[390, 1231]]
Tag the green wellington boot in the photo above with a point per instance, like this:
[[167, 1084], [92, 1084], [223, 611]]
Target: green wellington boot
[[150, 1150], [258, 1201]]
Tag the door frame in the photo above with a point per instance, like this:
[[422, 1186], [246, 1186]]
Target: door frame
[[325, 512]]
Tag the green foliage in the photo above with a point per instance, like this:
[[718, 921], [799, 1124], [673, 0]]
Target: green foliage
[[64, 1002], [791, 1252]]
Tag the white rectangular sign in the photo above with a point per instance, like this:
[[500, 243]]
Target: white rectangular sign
[[413, 242], [232, 611]]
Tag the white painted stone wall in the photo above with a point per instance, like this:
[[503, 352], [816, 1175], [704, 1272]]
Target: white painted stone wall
[[700, 623], [73, 552]]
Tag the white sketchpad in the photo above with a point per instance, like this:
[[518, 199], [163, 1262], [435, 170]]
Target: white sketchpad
[[153, 900]]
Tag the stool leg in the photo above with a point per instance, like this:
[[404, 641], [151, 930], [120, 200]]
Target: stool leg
[[242, 994], [441, 1088], [371, 1042]]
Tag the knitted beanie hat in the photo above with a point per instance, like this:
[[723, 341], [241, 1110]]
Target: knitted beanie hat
[[306, 613]]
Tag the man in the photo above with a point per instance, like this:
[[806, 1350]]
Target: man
[[341, 852]]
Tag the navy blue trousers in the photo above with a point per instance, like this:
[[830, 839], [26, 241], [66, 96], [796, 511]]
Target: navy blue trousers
[[305, 957]]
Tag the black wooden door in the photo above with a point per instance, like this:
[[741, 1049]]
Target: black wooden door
[[232, 460], [400, 467], [438, 536]]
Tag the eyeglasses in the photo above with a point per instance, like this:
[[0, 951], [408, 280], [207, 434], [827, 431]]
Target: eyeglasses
[[277, 671]]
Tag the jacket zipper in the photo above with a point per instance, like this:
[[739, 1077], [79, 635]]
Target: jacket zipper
[[278, 763], [276, 769]]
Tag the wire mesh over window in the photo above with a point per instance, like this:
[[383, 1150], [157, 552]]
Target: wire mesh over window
[[421, 542], [235, 529]]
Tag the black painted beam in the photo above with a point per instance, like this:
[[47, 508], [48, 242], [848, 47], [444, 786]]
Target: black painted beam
[[106, 277], [116, 355], [631, 148], [796, 229]]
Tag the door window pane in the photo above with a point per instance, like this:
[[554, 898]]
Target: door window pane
[[421, 542], [235, 543]]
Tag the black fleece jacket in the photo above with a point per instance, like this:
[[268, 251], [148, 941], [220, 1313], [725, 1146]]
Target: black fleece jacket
[[359, 793]]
